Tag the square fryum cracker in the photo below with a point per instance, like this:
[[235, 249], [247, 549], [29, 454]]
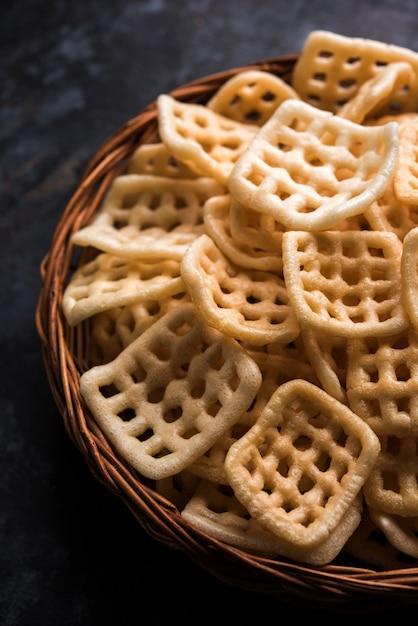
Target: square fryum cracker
[[258, 230], [146, 216], [207, 142], [217, 214], [110, 281], [382, 382], [251, 97], [214, 509], [310, 169], [405, 180], [303, 464], [114, 329], [388, 213], [328, 355], [370, 545], [249, 305], [376, 92], [402, 532], [153, 159], [409, 267], [347, 282], [171, 393], [331, 69], [392, 486]]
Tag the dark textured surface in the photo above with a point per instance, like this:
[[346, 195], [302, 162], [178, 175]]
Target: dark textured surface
[[71, 73]]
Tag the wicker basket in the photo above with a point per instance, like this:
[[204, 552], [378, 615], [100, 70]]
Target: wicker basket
[[336, 587]]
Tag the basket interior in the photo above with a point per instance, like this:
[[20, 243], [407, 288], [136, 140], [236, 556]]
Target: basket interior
[[332, 587]]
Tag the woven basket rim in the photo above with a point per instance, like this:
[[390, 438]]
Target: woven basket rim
[[332, 587]]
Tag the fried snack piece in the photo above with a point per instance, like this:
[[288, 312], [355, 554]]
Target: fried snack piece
[[109, 281], [294, 350], [145, 216], [370, 545], [328, 355], [216, 217], [382, 382], [251, 97], [409, 275], [135, 319], [275, 370], [348, 282], [215, 510], [400, 118], [171, 393], [405, 180], [387, 213], [153, 159], [113, 330], [377, 92], [249, 305], [210, 465], [331, 69], [310, 169], [178, 489], [104, 342], [258, 230], [302, 465], [402, 532], [355, 222], [392, 486], [207, 142]]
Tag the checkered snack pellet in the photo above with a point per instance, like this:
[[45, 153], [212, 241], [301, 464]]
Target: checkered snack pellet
[[207, 142], [402, 532], [392, 486], [109, 281], [249, 305], [377, 92], [382, 382], [215, 510], [303, 464], [387, 213], [146, 216], [370, 545], [217, 220], [310, 169], [251, 97], [171, 393], [348, 282], [410, 275], [331, 68], [153, 159]]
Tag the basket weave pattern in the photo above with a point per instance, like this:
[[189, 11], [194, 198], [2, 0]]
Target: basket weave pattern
[[335, 587]]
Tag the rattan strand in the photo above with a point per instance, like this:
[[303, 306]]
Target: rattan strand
[[349, 586]]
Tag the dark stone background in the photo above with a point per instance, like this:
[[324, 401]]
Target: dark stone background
[[70, 74]]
